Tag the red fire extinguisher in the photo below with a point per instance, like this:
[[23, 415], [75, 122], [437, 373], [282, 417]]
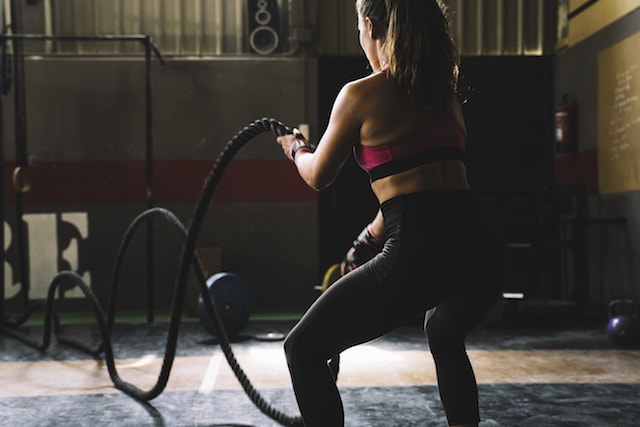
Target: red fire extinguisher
[[565, 118]]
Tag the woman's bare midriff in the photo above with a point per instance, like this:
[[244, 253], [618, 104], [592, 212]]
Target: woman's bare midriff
[[438, 175]]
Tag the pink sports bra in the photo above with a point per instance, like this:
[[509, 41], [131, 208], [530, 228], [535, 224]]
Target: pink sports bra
[[439, 138]]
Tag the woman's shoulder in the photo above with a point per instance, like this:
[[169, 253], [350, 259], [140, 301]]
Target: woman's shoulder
[[376, 84], [372, 80]]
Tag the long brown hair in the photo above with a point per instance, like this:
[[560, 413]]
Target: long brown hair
[[418, 48]]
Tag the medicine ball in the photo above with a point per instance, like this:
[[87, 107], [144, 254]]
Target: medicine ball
[[623, 328]]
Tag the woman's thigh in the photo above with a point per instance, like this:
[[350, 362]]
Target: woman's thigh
[[357, 309]]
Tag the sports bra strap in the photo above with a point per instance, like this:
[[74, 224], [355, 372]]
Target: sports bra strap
[[399, 165]]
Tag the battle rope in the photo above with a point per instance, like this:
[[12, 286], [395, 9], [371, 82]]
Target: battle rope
[[231, 149], [188, 260]]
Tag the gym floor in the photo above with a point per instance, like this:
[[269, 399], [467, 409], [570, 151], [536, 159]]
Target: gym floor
[[548, 369]]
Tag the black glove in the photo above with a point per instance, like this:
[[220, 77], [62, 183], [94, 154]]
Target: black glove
[[366, 246]]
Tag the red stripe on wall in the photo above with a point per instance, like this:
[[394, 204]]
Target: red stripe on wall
[[102, 182], [579, 168], [243, 181]]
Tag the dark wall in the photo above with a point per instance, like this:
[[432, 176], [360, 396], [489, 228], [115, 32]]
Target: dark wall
[[510, 162], [509, 122], [86, 148]]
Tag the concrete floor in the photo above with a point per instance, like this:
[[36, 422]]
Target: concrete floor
[[531, 373]]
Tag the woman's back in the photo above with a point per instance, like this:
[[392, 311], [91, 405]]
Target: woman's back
[[390, 116]]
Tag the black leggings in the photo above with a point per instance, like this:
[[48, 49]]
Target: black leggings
[[442, 250]]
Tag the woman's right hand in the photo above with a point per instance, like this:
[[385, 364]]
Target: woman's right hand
[[366, 246]]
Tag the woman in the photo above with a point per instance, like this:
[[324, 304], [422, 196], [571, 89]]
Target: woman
[[430, 245]]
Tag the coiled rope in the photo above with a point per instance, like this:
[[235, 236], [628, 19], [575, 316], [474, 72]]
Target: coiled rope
[[188, 261]]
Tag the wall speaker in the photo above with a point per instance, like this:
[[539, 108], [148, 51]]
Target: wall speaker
[[263, 26]]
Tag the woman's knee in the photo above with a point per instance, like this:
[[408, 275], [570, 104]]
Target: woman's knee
[[298, 344], [442, 338]]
